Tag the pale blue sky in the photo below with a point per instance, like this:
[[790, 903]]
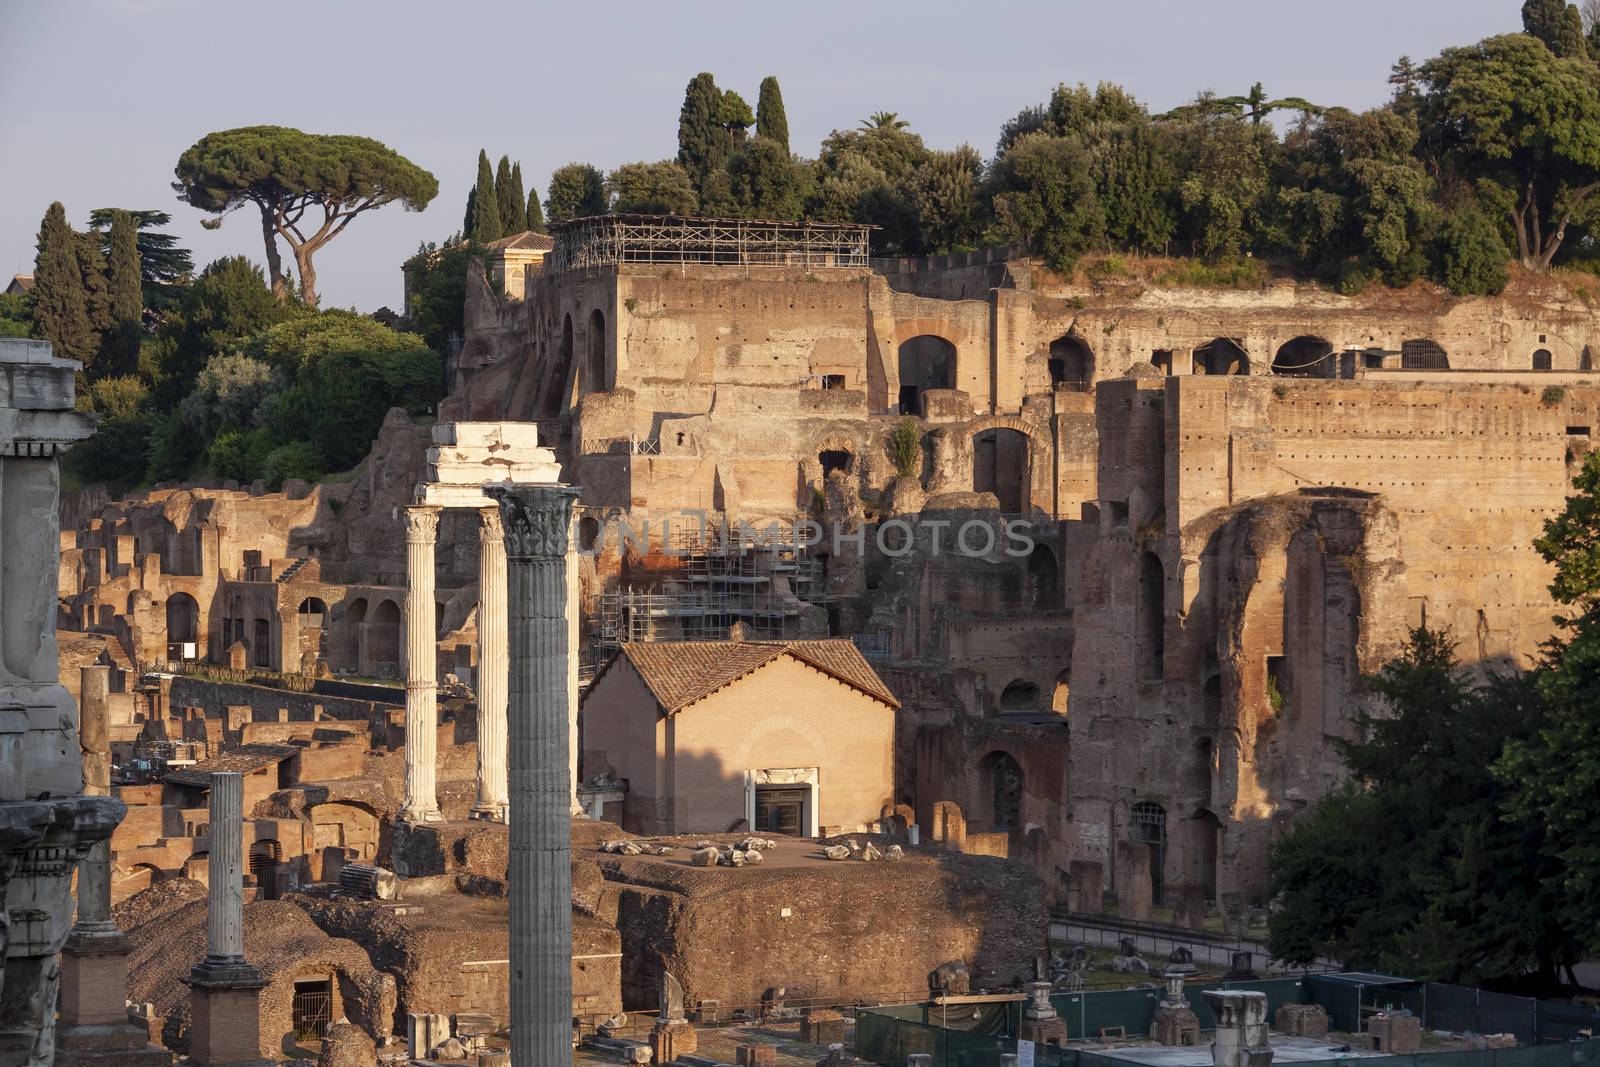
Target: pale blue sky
[[98, 99]]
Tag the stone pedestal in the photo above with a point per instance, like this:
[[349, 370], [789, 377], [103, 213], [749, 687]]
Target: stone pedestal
[[1395, 1034], [1302, 1020], [1040, 1023], [1175, 1026], [671, 1039], [756, 1056], [94, 1027], [225, 1021]]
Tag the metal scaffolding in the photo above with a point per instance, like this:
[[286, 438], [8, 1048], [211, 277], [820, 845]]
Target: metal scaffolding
[[764, 583], [602, 240]]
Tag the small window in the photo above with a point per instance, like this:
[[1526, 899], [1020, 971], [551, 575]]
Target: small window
[[1119, 513], [1161, 360], [833, 381], [1577, 431]]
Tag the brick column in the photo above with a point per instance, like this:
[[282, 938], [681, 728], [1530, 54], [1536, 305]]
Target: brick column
[[492, 668], [421, 802], [537, 521]]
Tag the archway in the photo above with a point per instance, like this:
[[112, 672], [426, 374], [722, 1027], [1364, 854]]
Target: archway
[[1151, 624], [588, 533], [265, 864], [1000, 465], [834, 459], [1543, 360], [1020, 695], [1150, 829], [1071, 363], [926, 362], [1205, 832], [348, 642], [382, 654], [1222, 355], [1005, 782], [594, 374], [183, 626], [556, 379], [1423, 353], [136, 880], [313, 613], [1058, 698], [1305, 357], [1044, 579]]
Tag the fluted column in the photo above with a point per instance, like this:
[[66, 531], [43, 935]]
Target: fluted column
[[537, 519], [225, 870], [422, 655], [94, 729], [572, 669], [492, 668]]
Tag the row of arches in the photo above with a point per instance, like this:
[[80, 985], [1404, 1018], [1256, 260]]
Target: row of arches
[[591, 372]]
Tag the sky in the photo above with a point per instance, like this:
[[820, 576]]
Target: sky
[[99, 99]]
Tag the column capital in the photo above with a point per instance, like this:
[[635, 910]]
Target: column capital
[[422, 523], [537, 519], [490, 529]]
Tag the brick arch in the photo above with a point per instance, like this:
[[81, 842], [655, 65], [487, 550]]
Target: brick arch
[[1033, 431], [906, 329]]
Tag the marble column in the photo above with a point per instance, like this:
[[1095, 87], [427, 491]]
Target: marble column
[[537, 521], [492, 668], [421, 802], [224, 988], [94, 1026], [572, 666]]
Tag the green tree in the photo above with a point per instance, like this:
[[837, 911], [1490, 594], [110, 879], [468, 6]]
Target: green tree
[[60, 314], [163, 263], [771, 121], [1415, 866], [944, 193], [1406, 77], [535, 216], [1523, 125], [1225, 163], [286, 174], [510, 198], [765, 183], [16, 315], [1559, 25], [483, 223], [1555, 773], [884, 120], [1471, 258], [735, 118], [1136, 181], [119, 397], [1044, 198], [663, 188], [96, 287], [436, 292], [119, 353], [577, 190], [702, 138], [227, 303], [226, 393]]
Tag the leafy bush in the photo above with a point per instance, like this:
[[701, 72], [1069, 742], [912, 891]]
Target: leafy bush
[[905, 446], [298, 459], [1222, 274], [115, 454], [1472, 256], [239, 455], [119, 398], [172, 450], [226, 393]]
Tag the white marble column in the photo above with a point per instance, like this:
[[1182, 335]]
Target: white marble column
[[492, 668], [225, 870], [572, 664], [422, 657], [537, 520]]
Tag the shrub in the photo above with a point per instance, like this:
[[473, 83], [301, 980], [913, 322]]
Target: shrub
[[1472, 257], [1552, 395], [172, 449], [239, 454], [119, 398], [298, 459], [115, 454], [905, 447]]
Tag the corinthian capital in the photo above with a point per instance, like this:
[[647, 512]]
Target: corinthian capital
[[422, 524], [536, 519]]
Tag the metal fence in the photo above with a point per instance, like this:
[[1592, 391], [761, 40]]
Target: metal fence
[[1551, 1035]]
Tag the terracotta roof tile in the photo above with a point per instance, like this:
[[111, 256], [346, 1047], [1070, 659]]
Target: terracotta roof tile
[[527, 239], [244, 759], [679, 673]]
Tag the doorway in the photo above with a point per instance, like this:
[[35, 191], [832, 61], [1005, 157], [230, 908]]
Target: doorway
[[781, 810]]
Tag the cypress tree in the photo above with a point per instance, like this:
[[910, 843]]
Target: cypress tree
[[96, 291], [119, 346], [59, 312], [483, 225], [535, 215], [702, 140], [466, 220], [1558, 25], [771, 122], [508, 199], [520, 197]]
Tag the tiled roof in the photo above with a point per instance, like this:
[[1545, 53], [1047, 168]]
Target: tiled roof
[[244, 759], [527, 239], [679, 673]]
